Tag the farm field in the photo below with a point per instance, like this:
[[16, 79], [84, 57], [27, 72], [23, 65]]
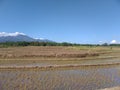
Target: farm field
[[59, 68], [56, 55]]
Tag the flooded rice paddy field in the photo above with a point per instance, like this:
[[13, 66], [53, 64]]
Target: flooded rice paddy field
[[80, 78], [91, 76]]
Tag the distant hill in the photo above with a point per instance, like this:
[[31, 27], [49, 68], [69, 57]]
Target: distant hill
[[18, 37]]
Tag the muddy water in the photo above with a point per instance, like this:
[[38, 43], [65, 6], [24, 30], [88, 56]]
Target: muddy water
[[84, 78]]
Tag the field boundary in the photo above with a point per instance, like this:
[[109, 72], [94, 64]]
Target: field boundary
[[57, 66]]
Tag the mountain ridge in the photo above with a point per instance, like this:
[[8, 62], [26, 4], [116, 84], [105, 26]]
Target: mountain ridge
[[19, 37]]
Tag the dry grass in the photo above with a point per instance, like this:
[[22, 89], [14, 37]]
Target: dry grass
[[50, 51], [56, 55]]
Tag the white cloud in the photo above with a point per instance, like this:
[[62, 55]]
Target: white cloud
[[114, 42], [40, 38], [100, 41], [4, 34]]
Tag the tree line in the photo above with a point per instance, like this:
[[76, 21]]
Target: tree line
[[16, 44]]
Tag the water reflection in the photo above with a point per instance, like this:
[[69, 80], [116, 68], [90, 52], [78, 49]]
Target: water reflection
[[84, 78]]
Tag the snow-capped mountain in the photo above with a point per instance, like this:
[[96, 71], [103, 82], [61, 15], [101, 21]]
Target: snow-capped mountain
[[18, 37]]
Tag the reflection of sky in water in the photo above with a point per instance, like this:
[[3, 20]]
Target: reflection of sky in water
[[64, 79], [94, 78]]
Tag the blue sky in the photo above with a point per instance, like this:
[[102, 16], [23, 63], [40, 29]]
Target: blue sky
[[79, 21]]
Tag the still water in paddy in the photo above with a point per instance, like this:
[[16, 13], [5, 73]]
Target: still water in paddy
[[83, 78]]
